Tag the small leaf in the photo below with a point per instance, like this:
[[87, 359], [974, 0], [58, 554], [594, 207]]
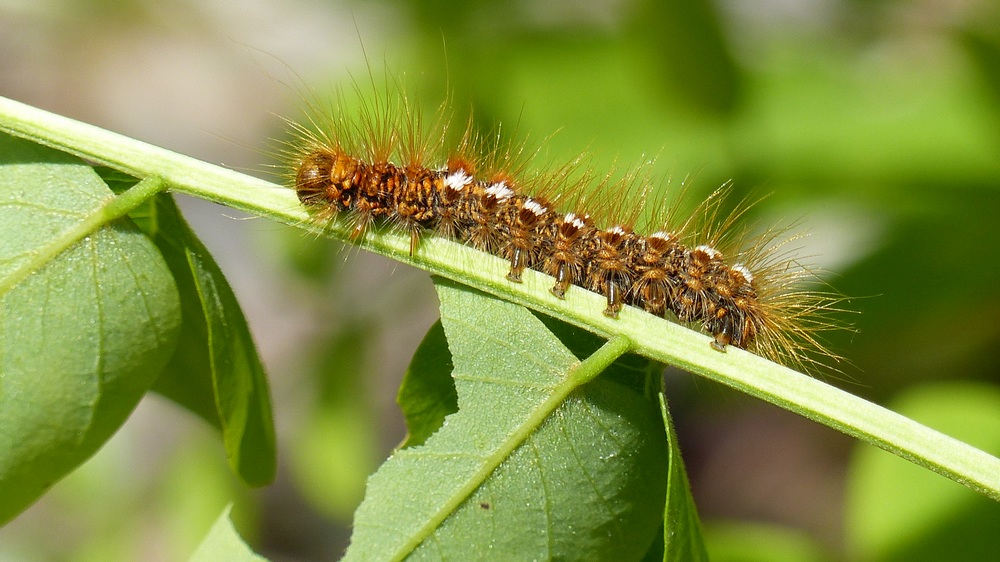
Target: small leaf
[[224, 544], [427, 394], [681, 528], [215, 371], [532, 466], [83, 332]]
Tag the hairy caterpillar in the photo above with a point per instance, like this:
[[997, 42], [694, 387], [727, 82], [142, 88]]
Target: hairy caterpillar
[[380, 164]]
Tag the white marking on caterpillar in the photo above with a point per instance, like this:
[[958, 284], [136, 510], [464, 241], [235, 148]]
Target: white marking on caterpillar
[[709, 251], [457, 180], [742, 270], [574, 220], [499, 191], [535, 207]]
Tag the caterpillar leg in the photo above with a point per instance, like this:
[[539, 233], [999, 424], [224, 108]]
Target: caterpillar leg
[[563, 281], [516, 265], [614, 300], [722, 339]]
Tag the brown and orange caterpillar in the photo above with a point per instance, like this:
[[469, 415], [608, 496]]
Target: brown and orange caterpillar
[[381, 165]]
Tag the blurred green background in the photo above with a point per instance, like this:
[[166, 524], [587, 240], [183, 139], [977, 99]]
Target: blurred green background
[[873, 125]]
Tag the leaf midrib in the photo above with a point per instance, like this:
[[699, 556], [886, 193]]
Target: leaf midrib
[[111, 209], [578, 374]]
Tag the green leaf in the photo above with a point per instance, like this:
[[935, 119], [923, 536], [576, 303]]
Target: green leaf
[[89, 317], [532, 465], [196, 374], [681, 528], [224, 544], [427, 394], [895, 511], [215, 371]]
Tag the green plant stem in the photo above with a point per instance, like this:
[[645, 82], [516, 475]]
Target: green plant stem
[[653, 337]]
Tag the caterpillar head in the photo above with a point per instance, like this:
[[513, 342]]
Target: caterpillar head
[[326, 178]]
